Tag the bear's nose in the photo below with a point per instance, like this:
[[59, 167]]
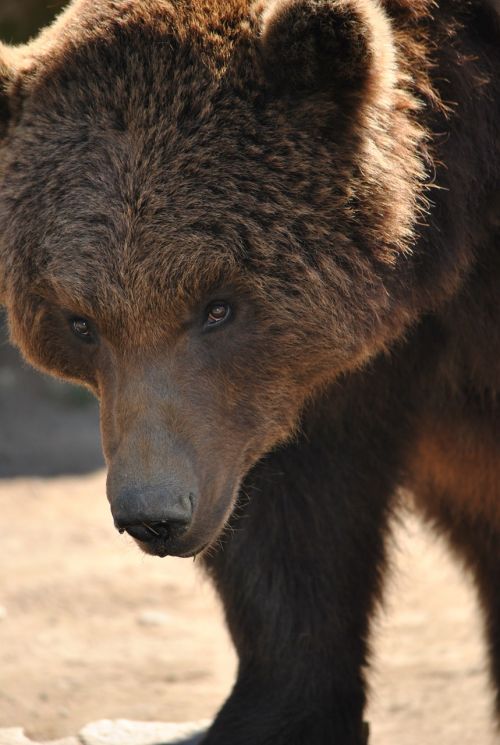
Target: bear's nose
[[148, 518]]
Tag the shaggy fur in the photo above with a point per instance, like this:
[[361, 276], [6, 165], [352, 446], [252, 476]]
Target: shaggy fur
[[331, 170]]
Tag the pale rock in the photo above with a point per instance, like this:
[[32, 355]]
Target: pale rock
[[153, 618], [125, 732]]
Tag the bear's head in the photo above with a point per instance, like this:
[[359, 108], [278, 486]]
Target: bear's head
[[205, 209]]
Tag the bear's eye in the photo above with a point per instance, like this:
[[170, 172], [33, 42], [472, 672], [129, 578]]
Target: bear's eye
[[82, 329], [217, 313]]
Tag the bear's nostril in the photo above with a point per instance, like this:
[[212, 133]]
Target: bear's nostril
[[138, 531], [159, 530]]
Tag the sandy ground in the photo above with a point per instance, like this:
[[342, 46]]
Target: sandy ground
[[92, 629]]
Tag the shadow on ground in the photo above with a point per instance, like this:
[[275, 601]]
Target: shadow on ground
[[197, 740], [47, 428]]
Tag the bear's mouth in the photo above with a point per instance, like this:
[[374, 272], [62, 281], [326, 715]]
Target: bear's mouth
[[162, 548]]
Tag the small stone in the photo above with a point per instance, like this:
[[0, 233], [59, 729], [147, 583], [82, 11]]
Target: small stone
[[153, 618], [125, 732]]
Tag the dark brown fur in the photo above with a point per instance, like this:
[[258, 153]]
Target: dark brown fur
[[331, 168]]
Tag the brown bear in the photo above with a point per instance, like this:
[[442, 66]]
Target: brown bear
[[267, 236]]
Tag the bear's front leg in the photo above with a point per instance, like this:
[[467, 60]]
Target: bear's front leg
[[301, 572]]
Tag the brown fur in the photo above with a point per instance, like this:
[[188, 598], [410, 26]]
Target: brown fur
[[331, 169], [458, 463]]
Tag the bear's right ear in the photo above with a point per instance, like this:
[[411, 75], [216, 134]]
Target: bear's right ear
[[343, 48]]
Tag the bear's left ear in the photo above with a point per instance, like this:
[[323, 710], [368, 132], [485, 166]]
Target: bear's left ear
[[343, 48]]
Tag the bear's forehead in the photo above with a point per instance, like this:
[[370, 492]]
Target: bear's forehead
[[138, 208], [113, 179]]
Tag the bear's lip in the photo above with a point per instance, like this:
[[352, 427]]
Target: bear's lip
[[163, 548]]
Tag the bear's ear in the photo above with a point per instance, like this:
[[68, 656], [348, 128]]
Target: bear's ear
[[343, 48]]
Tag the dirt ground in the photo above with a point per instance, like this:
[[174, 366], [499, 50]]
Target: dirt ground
[[90, 628]]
